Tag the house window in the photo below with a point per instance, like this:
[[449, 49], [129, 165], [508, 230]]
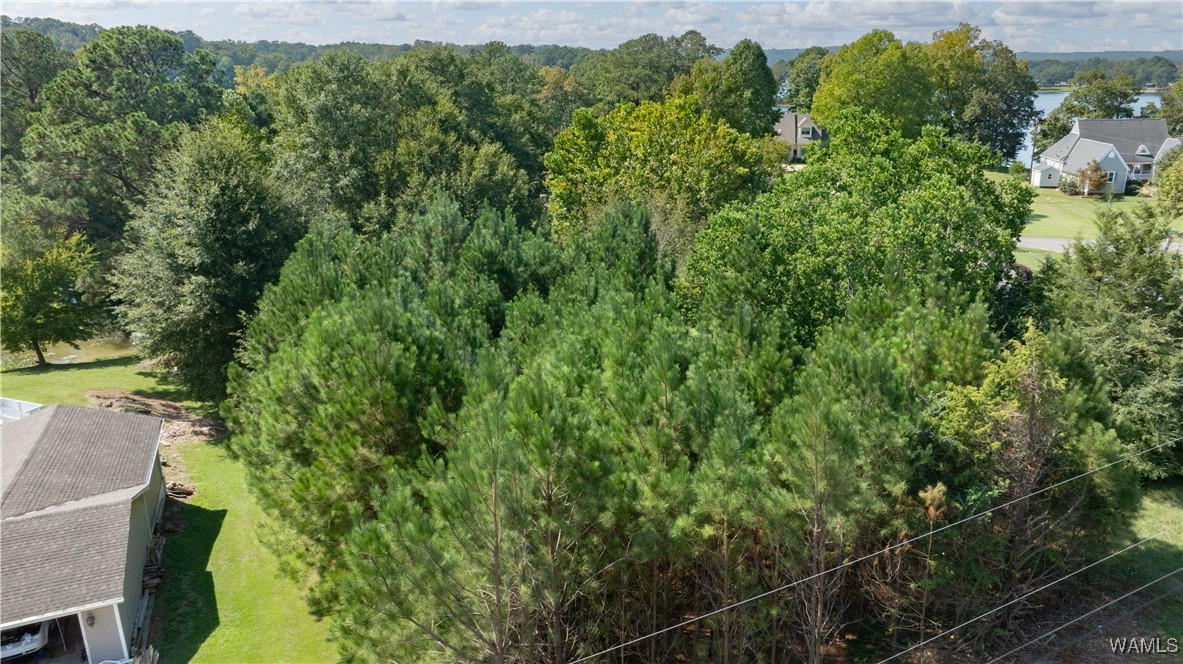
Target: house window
[[1110, 175]]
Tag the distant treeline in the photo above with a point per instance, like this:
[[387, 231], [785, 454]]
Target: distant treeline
[[1156, 71], [278, 56], [1149, 69]]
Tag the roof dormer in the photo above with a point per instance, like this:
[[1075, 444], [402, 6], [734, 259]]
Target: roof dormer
[[1143, 151]]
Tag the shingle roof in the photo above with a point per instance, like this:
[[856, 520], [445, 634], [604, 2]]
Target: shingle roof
[[1083, 152], [1167, 146], [1126, 135], [69, 477], [66, 453], [1060, 150], [63, 559]]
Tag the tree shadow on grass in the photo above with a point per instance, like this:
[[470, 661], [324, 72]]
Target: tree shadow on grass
[[125, 361], [187, 603]]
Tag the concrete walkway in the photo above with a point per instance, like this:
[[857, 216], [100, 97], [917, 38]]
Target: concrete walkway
[[1060, 245]]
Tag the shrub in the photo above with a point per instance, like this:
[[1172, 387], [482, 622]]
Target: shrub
[[1018, 170], [1069, 186]]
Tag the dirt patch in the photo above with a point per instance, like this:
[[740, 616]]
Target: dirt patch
[[180, 425]]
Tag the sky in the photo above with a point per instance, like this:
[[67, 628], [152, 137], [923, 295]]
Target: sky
[[1025, 25]]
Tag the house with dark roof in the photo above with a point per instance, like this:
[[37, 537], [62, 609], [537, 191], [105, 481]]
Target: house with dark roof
[[81, 492], [1126, 150], [799, 130]]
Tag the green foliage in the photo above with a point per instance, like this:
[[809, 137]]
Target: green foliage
[[1172, 108], [640, 69], [879, 73], [41, 301], [103, 124], [996, 102], [345, 149], [211, 234], [29, 61], [1169, 180], [803, 77], [364, 343], [740, 90], [671, 155], [1155, 71], [871, 206], [1122, 295]]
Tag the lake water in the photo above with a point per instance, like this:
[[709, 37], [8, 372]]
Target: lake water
[[1046, 102]]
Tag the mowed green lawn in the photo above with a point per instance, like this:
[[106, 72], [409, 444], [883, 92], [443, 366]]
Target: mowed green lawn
[[222, 599], [1056, 214]]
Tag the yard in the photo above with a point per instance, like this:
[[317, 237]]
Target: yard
[[1055, 214], [223, 599]]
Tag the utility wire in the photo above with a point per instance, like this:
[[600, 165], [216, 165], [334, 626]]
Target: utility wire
[[1021, 597], [886, 549], [1098, 627], [1099, 608]]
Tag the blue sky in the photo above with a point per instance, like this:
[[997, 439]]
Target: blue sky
[[1057, 25]]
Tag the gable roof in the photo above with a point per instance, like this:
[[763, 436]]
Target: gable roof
[[791, 124], [1060, 150], [1126, 135], [66, 453], [1085, 151], [69, 477], [1167, 146]]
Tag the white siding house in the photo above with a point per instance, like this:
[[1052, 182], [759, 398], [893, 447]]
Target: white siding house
[[1126, 149]]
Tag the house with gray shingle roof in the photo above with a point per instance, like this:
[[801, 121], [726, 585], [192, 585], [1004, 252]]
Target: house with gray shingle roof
[[81, 492], [799, 130], [1126, 150]]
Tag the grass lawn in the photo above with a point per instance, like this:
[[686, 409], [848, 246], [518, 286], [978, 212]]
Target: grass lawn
[[1056, 214], [222, 599], [1032, 258], [1162, 508]]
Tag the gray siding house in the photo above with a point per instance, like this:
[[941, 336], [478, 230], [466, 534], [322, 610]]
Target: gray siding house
[[1126, 150], [798, 130], [81, 492]]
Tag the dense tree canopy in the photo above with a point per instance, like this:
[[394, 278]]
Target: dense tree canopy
[[103, 124], [28, 62], [673, 156], [879, 73], [640, 69], [803, 77], [871, 206], [211, 234], [740, 90]]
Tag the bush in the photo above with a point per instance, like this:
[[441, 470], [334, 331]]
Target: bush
[[1132, 187], [1069, 186], [1018, 170]]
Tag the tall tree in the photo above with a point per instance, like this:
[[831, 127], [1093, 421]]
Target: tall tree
[[740, 90], [1122, 294], [983, 92], [211, 234], [104, 123], [673, 156], [803, 78], [1171, 108], [29, 61], [41, 299], [878, 73], [640, 69]]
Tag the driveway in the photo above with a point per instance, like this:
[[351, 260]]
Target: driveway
[[1060, 245]]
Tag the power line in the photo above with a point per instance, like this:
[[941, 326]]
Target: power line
[[844, 565], [1098, 627], [1022, 597], [1099, 608]]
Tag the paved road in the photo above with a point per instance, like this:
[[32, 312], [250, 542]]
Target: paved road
[[1059, 245]]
